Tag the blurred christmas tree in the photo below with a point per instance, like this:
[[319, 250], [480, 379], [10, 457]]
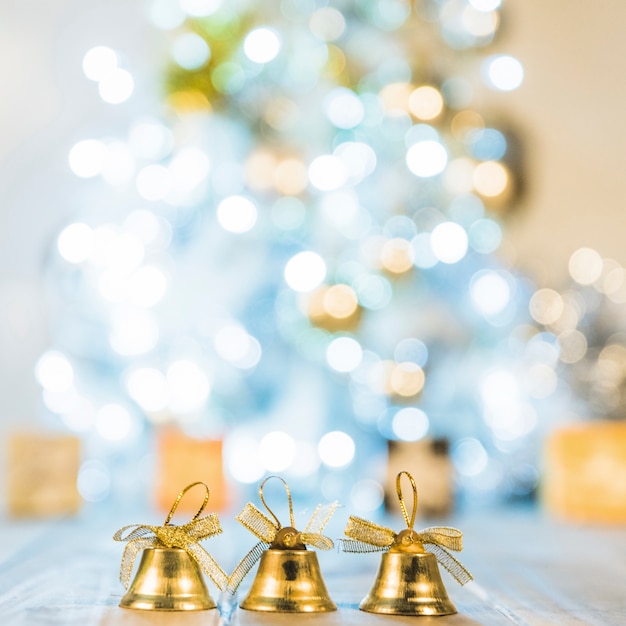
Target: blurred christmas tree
[[303, 257]]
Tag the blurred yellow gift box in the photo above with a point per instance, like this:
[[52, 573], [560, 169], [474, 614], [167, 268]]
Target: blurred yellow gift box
[[42, 472], [584, 477]]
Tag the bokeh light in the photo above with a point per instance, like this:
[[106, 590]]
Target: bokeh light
[[426, 102], [585, 266], [190, 51], [86, 158], [336, 449], [344, 354], [546, 306], [427, 158], [277, 451], [116, 86], [54, 372], [75, 242], [305, 271], [410, 424], [503, 72], [237, 214], [113, 422], [262, 44], [449, 242], [328, 172], [490, 292], [98, 62]]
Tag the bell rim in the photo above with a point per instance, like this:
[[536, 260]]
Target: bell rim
[[137, 600], [401, 604], [268, 604]]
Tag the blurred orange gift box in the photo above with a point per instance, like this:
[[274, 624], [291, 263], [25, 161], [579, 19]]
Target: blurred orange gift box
[[182, 460], [584, 476]]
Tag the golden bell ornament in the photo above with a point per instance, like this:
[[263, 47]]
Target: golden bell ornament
[[408, 580], [289, 579], [168, 579], [169, 576]]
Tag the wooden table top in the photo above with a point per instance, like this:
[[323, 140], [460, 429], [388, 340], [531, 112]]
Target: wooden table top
[[528, 569]]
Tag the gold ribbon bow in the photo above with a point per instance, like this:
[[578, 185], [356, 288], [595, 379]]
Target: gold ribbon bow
[[273, 535], [171, 536], [366, 536]]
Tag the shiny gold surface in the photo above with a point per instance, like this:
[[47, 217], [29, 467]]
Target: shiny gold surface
[[168, 579], [142, 536], [408, 583], [408, 580], [288, 581]]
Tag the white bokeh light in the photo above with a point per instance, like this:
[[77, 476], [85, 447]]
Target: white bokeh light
[[336, 449], [133, 332], [262, 44], [485, 5], [585, 266], [344, 108], [189, 168], [147, 286], [154, 182], [241, 452], [80, 416], [449, 242], [113, 422], [188, 386], [235, 345], [150, 139], [410, 424], [200, 8], [344, 354], [308, 459], [147, 387], [305, 271], [54, 372], [98, 62], [427, 158], [328, 172], [86, 158], [237, 214], [119, 164], [503, 72], [116, 86], [119, 252], [490, 292], [75, 242], [277, 451]]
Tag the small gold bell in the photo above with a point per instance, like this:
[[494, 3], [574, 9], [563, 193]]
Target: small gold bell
[[288, 579], [170, 574], [408, 580], [168, 579], [408, 583]]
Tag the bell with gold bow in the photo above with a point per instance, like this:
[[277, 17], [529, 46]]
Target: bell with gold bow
[[169, 576], [289, 579], [408, 580]]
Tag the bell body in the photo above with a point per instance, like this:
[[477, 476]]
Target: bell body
[[168, 579], [288, 581], [408, 584]]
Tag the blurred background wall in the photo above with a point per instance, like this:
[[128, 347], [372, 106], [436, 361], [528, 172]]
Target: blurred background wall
[[567, 113]]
